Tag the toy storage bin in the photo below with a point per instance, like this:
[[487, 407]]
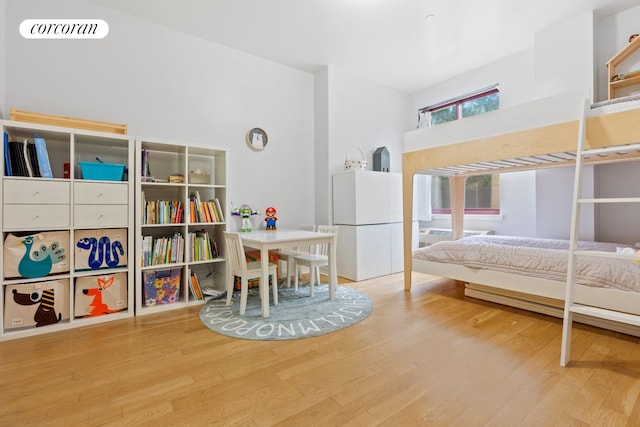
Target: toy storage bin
[[29, 305], [102, 171]]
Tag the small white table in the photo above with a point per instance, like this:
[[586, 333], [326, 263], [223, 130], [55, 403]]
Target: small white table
[[266, 240]]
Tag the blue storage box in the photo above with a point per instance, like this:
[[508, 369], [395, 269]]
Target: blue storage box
[[102, 171]]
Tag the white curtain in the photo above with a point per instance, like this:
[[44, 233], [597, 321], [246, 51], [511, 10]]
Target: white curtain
[[422, 196]]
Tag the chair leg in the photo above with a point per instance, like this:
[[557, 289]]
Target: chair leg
[[311, 280], [244, 289], [230, 288], [318, 275], [290, 263], [295, 281], [274, 287]]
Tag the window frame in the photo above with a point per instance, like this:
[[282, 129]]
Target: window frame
[[458, 102]]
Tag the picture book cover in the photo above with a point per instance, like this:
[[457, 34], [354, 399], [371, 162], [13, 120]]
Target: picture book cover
[[7, 160], [161, 286], [43, 157]]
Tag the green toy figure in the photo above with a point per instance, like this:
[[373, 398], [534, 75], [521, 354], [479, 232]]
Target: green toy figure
[[245, 212]]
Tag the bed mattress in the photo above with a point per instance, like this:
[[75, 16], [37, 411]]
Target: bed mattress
[[541, 258]]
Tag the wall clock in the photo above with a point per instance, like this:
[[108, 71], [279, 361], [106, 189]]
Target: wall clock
[[257, 139]]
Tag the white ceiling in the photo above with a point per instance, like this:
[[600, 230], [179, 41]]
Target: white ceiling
[[392, 42]]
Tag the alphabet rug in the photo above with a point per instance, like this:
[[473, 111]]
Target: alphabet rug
[[297, 315]]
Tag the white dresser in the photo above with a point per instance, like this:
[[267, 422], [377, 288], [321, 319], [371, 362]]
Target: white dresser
[[367, 205]]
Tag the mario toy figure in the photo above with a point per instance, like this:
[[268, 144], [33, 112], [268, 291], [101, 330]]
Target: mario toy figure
[[245, 213], [271, 219]]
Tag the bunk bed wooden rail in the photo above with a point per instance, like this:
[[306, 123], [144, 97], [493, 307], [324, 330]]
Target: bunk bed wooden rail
[[492, 144]]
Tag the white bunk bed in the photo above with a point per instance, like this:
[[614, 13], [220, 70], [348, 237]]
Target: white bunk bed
[[538, 134]]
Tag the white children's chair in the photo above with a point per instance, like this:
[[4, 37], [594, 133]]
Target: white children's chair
[[317, 258], [289, 255], [237, 265]]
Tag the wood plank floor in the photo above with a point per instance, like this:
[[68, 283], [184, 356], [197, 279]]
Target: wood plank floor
[[429, 357]]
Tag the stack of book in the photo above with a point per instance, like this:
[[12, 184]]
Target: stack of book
[[194, 285], [162, 212], [208, 211], [202, 247], [26, 158], [163, 250]]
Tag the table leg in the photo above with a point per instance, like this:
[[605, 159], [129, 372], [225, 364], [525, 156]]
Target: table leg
[[264, 282], [333, 269]]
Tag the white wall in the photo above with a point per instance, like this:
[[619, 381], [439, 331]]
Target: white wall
[[169, 85], [365, 115], [618, 222], [554, 203], [564, 57], [514, 74], [517, 204]]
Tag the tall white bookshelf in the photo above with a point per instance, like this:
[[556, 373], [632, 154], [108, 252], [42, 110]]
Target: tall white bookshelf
[[159, 167], [72, 208]]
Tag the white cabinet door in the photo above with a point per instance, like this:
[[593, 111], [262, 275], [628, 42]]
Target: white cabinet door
[[367, 197], [364, 251], [374, 250]]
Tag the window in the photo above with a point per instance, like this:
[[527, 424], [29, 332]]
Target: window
[[482, 192], [481, 195], [468, 105]]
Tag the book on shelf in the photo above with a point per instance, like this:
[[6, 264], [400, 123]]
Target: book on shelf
[[219, 210], [16, 155], [43, 157], [201, 246], [27, 158], [33, 159], [145, 163], [207, 211], [7, 160], [194, 284], [162, 212], [197, 210], [208, 291], [162, 250]]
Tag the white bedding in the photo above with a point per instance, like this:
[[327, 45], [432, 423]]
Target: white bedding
[[544, 258]]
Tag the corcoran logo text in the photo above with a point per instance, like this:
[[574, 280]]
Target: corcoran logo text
[[64, 29]]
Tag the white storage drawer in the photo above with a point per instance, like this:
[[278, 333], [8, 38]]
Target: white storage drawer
[[35, 216], [88, 193], [100, 216], [36, 192]]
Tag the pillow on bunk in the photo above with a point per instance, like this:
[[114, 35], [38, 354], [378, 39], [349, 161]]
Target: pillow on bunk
[[36, 304], [36, 255], [102, 248], [98, 295]]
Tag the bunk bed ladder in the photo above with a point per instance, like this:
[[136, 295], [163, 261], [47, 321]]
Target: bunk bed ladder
[[570, 307]]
